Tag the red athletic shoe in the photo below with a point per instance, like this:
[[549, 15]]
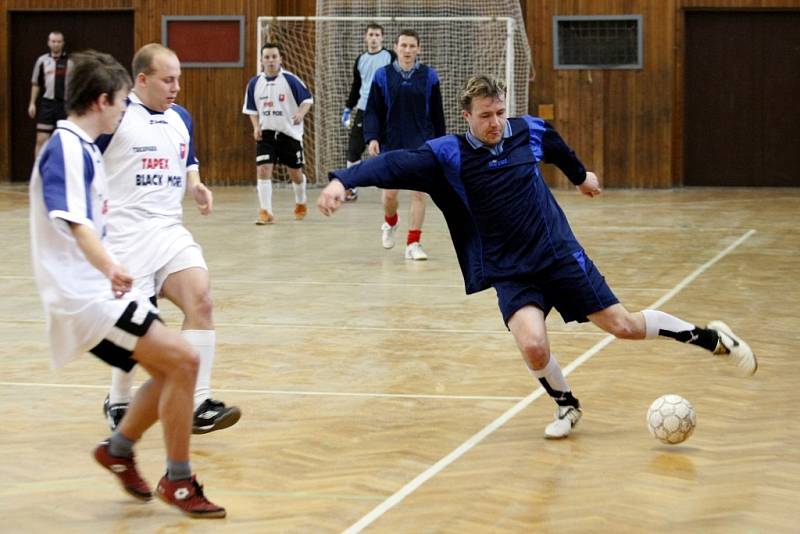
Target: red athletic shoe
[[125, 470], [188, 495]]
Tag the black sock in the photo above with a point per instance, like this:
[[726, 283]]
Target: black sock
[[702, 337]]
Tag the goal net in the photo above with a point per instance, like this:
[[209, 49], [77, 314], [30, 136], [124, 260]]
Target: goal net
[[321, 51]]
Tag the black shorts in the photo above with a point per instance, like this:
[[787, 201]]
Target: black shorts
[[573, 286], [356, 145], [276, 147], [111, 349], [48, 113]]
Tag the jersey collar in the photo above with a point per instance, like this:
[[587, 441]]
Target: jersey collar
[[133, 99], [74, 128], [495, 150]]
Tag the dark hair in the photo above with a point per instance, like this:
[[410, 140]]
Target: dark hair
[[374, 26], [272, 45], [143, 60], [95, 73], [480, 86], [407, 33]]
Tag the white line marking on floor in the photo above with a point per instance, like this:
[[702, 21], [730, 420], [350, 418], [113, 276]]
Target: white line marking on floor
[[462, 449]]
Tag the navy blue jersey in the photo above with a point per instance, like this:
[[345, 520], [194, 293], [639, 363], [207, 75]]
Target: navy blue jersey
[[404, 109], [503, 219]]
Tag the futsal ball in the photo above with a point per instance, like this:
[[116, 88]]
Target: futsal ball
[[671, 419]]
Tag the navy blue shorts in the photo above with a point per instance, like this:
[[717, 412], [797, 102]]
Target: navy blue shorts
[[573, 286]]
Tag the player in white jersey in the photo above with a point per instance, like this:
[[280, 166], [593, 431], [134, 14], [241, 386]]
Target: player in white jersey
[[83, 289], [277, 102], [151, 163]]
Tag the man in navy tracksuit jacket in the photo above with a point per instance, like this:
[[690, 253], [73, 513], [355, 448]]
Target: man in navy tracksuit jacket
[[404, 109], [510, 233]]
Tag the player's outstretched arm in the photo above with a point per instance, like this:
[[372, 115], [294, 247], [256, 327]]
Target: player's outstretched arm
[[96, 254], [331, 197], [590, 186], [202, 195]]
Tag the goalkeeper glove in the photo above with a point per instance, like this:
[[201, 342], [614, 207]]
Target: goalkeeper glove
[[346, 117]]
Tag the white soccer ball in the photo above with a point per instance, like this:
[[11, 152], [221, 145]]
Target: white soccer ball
[[671, 419]]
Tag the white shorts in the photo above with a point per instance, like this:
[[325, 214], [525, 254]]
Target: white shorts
[[72, 334], [151, 284]]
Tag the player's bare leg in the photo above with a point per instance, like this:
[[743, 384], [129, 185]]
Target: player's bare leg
[[190, 291], [717, 337], [527, 325]]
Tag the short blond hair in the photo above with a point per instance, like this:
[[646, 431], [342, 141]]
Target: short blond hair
[[480, 86], [143, 60]]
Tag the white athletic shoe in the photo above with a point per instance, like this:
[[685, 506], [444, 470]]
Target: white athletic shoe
[[734, 348], [387, 235], [415, 252], [566, 418]]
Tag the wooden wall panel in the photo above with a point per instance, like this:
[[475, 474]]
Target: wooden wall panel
[[625, 125]]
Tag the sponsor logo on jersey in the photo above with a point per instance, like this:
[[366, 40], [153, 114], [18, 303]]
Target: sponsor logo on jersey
[[156, 163], [144, 149], [182, 147], [281, 97], [498, 163], [158, 121]]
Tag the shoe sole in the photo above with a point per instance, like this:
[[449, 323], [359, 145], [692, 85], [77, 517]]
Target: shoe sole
[[719, 325], [228, 420]]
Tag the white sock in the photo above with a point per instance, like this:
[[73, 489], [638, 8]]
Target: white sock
[[551, 373], [265, 194], [655, 321], [300, 191], [204, 342], [121, 383]]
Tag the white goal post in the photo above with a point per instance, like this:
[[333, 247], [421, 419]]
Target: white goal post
[[321, 51]]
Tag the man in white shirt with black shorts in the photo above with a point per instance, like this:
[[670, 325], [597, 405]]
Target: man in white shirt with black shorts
[[151, 163], [85, 290], [277, 102]]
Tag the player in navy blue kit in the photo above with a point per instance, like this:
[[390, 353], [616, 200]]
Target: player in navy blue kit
[[404, 110], [375, 57], [509, 233], [277, 102]]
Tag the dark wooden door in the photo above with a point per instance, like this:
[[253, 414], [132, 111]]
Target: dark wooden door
[[106, 31], [742, 98]]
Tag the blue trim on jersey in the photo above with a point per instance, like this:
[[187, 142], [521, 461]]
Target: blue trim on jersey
[[183, 113], [537, 128], [53, 170], [299, 91], [251, 98]]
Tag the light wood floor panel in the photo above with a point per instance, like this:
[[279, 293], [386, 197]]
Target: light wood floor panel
[[357, 371]]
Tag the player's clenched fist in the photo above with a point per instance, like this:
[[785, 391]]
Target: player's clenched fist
[[331, 197]]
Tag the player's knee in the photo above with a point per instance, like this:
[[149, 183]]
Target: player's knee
[[203, 306], [186, 364], [535, 351], [622, 328]]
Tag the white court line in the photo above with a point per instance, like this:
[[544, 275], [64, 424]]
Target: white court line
[[288, 392], [433, 470]]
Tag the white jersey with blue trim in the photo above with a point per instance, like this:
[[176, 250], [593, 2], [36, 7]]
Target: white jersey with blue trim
[[146, 162], [68, 186], [276, 99]]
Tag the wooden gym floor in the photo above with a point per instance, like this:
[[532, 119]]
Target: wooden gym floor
[[377, 396]]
